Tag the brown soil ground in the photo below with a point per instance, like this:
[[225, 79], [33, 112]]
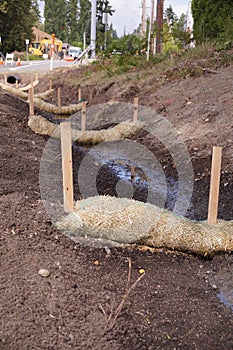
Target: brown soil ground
[[175, 305]]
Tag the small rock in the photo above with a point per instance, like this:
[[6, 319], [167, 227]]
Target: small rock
[[58, 264], [44, 273], [107, 250], [214, 286]]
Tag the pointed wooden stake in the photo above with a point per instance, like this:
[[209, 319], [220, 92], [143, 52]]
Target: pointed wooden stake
[[59, 97], [79, 93], [214, 185], [31, 102], [133, 172], [83, 121], [66, 148], [135, 116]]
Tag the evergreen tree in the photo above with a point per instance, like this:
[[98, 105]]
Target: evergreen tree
[[113, 32], [73, 20], [170, 15], [16, 21], [180, 36], [103, 6], [213, 19], [55, 14], [84, 19], [35, 10]]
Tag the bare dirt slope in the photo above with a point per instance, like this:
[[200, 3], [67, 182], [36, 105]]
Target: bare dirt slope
[[175, 305]]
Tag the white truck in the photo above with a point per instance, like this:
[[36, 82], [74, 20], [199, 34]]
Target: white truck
[[74, 51]]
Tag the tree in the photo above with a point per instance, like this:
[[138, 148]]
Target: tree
[[175, 36], [72, 13], [16, 21], [113, 32], [128, 45], [84, 19], [55, 14], [35, 10], [170, 15], [180, 35], [69, 19], [103, 6], [212, 19]]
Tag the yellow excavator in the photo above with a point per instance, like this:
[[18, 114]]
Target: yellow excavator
[[44, 47]]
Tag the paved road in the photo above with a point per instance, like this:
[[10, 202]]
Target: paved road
[[34, 66]]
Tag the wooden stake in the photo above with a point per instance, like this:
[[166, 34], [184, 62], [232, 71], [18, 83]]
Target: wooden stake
[[66, 148], [83, 121], [214, 185], [32, 87], [5, 78], [135, 116], [50, 84], [79, 93], [31, 102], [59, 97], [17, 84], [36, 76], [133, 172]]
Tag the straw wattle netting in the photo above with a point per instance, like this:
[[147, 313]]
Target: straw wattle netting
[[42, 126], [127, 221]]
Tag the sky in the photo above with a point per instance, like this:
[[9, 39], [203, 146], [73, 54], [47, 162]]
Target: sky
[[127, 14]]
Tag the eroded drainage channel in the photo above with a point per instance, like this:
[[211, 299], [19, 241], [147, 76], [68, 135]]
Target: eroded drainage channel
[[107, 173], [142, 181], [119, 176]]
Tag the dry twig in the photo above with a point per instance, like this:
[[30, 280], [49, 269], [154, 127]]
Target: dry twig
[[111, 321]]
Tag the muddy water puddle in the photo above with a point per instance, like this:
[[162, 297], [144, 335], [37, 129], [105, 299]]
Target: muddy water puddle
[[148, 180], [224, 282]]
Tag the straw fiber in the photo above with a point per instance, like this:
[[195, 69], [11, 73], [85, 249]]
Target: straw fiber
[[44, 95], [50, 108], [14, 91], [125, 221], [123, 130], [29, 86]]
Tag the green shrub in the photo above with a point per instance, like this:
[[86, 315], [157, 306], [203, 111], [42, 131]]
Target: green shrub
[[34, 57]]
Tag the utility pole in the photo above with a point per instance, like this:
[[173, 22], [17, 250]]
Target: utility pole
[[152, 27], [93, 27], [105, 22], [159, 26], [143, 30], [148, 42]]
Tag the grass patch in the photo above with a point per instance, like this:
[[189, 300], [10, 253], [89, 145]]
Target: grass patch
[[136, 69]]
